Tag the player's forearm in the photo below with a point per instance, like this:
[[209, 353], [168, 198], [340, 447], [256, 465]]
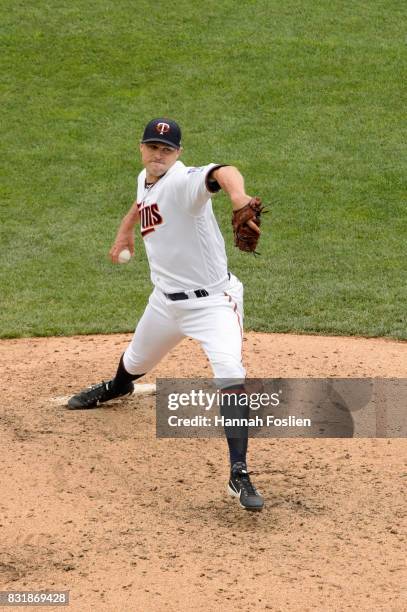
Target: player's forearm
[[130, 220], [232, 182], [125, 234]]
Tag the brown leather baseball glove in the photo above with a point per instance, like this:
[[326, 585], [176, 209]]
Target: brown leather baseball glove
[[246, 223]]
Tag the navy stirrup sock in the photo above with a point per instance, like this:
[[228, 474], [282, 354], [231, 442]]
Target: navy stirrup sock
[[123, 378], [237, 436]]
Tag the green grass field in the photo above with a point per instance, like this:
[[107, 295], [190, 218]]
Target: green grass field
[[306, 97]]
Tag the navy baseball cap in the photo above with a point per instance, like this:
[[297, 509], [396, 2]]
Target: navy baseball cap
[[163, 130]]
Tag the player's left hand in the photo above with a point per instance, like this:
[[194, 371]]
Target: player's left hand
[[246, 225]]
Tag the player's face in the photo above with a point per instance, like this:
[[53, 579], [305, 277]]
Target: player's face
[[157, 158]]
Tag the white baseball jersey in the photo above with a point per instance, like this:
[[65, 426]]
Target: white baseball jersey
[[184, 245]]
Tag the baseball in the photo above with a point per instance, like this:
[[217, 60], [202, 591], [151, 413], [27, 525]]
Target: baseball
[[124, 256]]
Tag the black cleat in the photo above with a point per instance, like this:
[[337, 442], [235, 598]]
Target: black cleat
[[241, 486], [98, 394]]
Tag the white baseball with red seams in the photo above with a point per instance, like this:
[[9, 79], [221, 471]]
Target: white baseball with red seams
[[186, 252], [124, 256]]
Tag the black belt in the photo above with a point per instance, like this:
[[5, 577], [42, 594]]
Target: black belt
[[183, 296]]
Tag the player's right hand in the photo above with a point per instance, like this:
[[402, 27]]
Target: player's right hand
[[123, 241]]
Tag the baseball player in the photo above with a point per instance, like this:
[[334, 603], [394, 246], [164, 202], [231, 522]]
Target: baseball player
[[194, 295]]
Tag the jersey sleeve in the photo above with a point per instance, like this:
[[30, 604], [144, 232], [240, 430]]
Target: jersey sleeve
[[200, 186]]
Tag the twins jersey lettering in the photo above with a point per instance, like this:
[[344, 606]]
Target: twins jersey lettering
[[149, 218]]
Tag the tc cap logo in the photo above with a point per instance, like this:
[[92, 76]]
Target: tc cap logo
[[162, 128]]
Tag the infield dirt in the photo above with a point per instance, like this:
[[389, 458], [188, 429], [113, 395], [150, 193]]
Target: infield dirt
[[93, 503]]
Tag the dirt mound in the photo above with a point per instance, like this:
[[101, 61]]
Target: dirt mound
[[93, 503]]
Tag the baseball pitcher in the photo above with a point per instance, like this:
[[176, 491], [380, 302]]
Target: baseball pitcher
[[194, 294]]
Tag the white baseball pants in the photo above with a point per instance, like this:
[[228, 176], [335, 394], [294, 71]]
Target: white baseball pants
[[216, 321]]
